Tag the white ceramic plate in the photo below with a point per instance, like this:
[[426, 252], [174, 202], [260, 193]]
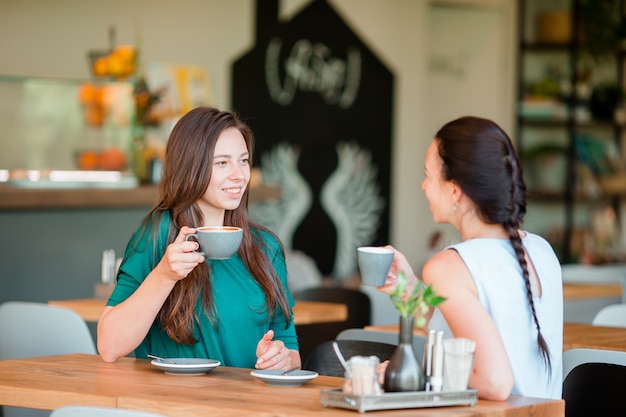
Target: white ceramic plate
[[294, 378], [186, 366]]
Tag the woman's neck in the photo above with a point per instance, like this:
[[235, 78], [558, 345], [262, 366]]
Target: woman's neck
[[471, 226], [212, 216], [478, 229]]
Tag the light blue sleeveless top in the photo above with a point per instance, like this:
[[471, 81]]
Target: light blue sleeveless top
[[502, 291]]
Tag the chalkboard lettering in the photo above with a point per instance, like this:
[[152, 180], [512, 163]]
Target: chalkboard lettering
[[310, 67]]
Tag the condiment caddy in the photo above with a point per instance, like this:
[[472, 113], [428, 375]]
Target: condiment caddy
[[434, 394], [335, 397]]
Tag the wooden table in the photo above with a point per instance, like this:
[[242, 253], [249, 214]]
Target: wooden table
[[305, 312], [578, 291], [579, 335], [53, 381]]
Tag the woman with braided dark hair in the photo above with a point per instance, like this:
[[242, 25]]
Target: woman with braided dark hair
[[503, 286]]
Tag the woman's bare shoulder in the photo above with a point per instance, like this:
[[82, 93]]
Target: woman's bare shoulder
[[444, 261], [446, 269]]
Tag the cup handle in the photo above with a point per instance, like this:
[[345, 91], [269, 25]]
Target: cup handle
[[194, 235]]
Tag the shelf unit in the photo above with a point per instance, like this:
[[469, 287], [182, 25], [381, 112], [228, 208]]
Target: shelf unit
[[554, 104]]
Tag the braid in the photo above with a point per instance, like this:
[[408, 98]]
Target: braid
[[518, 210], [512, 227]]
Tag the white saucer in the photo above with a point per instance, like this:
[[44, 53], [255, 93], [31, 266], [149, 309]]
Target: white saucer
[[186, 366], [277, 378]]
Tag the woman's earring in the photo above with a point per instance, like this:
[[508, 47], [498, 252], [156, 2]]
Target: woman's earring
[[454, 206]]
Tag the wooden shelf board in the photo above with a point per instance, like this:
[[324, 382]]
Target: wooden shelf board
[[12, 198]]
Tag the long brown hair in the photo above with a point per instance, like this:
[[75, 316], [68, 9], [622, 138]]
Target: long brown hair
[[186, 175], [479, 156]]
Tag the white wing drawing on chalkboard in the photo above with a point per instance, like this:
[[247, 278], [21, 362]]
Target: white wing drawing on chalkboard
[[280, 166], [352, 200]]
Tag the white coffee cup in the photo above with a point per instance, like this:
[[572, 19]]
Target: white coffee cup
[[374, 263]]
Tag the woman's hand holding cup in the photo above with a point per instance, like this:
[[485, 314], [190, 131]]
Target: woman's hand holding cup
[[180, 256], [398, 264]]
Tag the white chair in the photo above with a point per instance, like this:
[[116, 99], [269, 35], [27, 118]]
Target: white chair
[[93, 411], [38, 329], [574, 357], [35, 329], [613, 315]]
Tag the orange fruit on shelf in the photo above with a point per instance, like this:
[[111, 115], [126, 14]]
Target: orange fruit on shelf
[[87, 93], [113, 159], [101, 67], [88, 160]]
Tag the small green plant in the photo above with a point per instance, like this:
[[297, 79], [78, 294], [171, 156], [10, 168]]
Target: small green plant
[[418, 303]]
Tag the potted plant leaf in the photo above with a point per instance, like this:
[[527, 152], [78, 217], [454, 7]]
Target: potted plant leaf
[[404, 372]]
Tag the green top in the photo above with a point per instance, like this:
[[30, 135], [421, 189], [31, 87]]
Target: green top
[[242, 317]]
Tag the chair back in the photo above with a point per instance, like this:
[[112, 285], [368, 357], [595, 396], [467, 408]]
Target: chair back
[[595, 389], [613, 315], [324, 361], [574, 357], [36, 329], [93, 411], [390, 338], [359, 315]]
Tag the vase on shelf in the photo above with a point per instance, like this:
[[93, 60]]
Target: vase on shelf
[[404, 372], [139, 164]]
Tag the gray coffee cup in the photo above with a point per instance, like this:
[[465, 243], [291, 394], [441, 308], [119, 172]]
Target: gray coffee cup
[[218, 242], [374, 264]]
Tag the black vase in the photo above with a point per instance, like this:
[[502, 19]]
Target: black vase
[[404, 372]]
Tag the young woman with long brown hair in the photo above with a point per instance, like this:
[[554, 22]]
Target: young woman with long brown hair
[[171, 302]]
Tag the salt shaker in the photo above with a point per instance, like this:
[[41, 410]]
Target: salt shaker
[[427, 358], [436, 377]]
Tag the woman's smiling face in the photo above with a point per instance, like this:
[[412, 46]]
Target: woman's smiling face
[[230, 174]]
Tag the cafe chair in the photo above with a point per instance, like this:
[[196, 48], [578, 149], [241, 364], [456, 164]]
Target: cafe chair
[[578, 356], [324, 361], [594, 382], [94, 411], [36, 329], [391, 338], [359, 315], [613, 315]]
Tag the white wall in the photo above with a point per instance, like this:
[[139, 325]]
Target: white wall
[[51, 38]]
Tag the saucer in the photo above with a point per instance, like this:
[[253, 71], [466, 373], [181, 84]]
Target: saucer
[[186, 366], [278, 378]]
